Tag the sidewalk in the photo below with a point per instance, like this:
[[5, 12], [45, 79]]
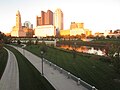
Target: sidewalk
[[57, 79], [10, 78]]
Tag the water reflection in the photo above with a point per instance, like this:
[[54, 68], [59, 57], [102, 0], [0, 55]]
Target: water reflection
[[85, 49]]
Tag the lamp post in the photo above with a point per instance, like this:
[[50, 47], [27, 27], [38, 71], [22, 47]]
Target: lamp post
[[42, 61]]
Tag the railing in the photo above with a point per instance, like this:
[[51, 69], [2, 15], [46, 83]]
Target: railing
[[70, 76]]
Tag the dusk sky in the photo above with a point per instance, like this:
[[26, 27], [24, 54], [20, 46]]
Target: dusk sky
[[97, 15]]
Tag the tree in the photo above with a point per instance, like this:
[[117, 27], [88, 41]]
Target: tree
[[108, 37], [102, 37], [43, 47], [74, 53], [113, 37], [90, 37], [29, 42], [1, 35], [114, 54], [18, 42], [96, 37], [112, 49], [116, 58], [83, 36], [36, 42], [4, 38]]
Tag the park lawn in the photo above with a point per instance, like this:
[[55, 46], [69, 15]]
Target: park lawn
[[29, 77], [94, 72], [16, 44], [3, 60]]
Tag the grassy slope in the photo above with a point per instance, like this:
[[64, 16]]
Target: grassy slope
[[29, 76], [3, 60], [95, 72]]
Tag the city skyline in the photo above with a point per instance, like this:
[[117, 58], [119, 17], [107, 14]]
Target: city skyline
[[98, 16]]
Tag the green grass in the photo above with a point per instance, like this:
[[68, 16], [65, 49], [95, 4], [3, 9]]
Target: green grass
[[29, 77], [3, 60], [15, 44], [94, 72]]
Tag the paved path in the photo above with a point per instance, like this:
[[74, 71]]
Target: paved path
[[10, 77], [58, 80]]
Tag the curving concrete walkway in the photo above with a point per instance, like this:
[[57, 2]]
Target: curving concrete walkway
[[58, 80], [10, 77]]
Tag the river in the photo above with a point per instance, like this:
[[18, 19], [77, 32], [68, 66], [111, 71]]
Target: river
[[85, 49]]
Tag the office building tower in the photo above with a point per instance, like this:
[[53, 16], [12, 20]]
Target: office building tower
[[17, 30], [45, 19], [58, 19]]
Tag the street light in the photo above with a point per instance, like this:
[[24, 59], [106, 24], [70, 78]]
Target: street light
[[42, 61]]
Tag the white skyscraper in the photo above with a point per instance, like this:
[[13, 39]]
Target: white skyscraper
[[58, 20], [17, 30]]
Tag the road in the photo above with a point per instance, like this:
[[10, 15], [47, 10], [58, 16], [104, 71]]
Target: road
[[10, 77], [57, 79]]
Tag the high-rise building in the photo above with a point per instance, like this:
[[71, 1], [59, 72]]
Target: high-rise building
[[58, 19], [42, 21], [38, 21], [49, 20], [76, 29], [17, 30], [18, 21], [45, 19], [73, 25], [76, 25], [80, 25]]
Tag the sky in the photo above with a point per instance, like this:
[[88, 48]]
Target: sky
[[97, 15]]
